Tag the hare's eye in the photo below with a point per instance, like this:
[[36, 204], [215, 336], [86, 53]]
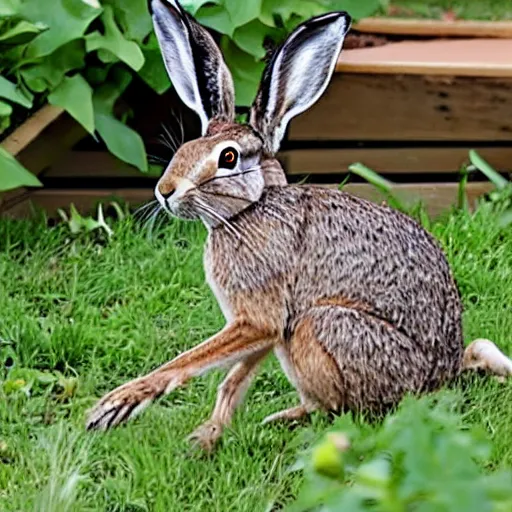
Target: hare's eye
[[228, 158]]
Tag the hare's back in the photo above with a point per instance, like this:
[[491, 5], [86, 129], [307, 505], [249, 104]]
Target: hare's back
[[357, 253]]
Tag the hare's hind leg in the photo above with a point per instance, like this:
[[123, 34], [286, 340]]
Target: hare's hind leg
[[230, 395], [485, 355], [311, 370]]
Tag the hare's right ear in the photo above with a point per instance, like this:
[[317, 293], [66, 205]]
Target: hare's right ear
[[194, 63], [297, 75]]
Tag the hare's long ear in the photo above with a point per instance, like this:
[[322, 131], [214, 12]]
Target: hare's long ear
[[194, 63], [297, 75]]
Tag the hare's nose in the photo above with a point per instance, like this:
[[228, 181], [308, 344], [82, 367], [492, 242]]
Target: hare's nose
[[168, 194]]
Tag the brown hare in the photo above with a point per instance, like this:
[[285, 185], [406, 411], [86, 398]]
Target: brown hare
[[356, 300]]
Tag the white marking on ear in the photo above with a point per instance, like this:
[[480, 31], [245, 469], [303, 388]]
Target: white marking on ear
[[300, 74], [173, 37]]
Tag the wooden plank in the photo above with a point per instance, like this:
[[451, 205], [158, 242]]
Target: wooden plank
[[437, 197], [409, 107], [466, 57], [393, 160], [75, 164], [435, 28], [30, 129]]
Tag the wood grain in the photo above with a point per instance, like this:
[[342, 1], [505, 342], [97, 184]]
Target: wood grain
[[409, 107], [465, 57]]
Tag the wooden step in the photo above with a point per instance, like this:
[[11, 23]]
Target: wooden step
[[461, 57]]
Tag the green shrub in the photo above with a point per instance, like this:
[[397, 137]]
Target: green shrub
[[82, 54], [421, 459]]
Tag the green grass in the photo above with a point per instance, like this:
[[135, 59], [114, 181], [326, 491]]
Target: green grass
[[463, 9], [106, 311]]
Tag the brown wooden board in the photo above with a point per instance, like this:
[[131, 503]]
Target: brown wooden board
[[461, 57], [437, 197], [367, 107], [404, 161]]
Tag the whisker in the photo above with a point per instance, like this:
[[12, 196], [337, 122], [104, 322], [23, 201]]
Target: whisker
[[158, 159], [241, 173]]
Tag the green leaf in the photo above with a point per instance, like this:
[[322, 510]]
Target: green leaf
[[5, 109], [74, 94], [242, 12], [113, 41], [246, 72], [5, 113], [121, 140], [66, 20], [153, 72], [21, 33], [105, 96], [494, 177], [9, 8], [192, 6], [216, 17], [13, 174], [133, 17], [49, 72], [250, 38], [11, 92], [356, 8]]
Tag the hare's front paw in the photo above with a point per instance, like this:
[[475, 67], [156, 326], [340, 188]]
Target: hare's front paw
[[121, 404], [206, 435]]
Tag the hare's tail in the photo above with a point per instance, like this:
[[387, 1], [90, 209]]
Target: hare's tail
[[485, 355]]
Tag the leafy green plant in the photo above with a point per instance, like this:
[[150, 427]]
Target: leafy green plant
[[78, 223], [81, 55], [422, 458]]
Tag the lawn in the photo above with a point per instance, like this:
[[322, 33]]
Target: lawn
[[102, 311], [463, 9]]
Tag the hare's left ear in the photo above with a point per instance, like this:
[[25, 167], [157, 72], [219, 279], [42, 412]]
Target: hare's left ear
[[297, 75], [194, 63]]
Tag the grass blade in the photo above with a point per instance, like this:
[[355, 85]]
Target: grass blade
[[371, 177], [491, 174]]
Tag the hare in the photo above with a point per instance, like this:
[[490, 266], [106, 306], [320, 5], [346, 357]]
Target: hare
[[356, 300]]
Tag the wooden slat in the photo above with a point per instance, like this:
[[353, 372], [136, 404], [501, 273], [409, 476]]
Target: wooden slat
[[435, 28], [409, 107], [394, 160], [466, 57], [436, 197], [89, 164], [30, 129]]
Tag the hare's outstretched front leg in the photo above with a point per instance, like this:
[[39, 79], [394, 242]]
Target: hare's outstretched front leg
[[235, 342], [485, 355], [231, 393]]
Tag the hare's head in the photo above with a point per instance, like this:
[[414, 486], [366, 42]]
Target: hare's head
[[223, 172]]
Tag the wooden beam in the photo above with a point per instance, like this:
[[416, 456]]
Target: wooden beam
[[30, 129], [409, 108], [437, 197], [394, 160], [466, 57], [435, 28]]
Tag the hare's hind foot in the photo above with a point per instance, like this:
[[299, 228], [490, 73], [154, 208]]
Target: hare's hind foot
[[206, 435], [292, 414], [483, 354]]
